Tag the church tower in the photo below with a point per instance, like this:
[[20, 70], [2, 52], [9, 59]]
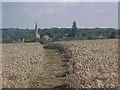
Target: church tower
[[36, 32]]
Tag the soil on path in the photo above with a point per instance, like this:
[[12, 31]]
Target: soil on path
[[54, 71]]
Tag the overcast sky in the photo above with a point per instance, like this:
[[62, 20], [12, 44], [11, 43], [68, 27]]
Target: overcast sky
[[59, 14]]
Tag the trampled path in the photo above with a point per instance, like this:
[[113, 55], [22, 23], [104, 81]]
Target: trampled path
[[55, 71]]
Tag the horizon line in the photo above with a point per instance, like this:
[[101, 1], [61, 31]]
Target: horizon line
[[59, 27]]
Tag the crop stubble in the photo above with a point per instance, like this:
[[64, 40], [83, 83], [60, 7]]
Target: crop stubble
[[21, 64], [94, 63]]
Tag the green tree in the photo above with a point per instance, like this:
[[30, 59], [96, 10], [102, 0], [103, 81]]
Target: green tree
[[74, 29], [112, 34]]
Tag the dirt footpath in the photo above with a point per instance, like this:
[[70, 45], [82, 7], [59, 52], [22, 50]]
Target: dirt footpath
[[55, 72]]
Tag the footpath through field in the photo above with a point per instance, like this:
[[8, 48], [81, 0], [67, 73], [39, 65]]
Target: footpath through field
[[55, 71]]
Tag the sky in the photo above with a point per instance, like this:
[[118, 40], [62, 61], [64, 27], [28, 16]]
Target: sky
[[60, 0], [59, 14]]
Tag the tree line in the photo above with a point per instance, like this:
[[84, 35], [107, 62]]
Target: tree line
[[10, 35]]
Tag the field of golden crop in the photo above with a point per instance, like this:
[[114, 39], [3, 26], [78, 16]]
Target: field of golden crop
[[1, 66], [21, 64], [93, 63]]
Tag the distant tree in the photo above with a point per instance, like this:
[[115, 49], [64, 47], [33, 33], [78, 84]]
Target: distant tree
[[89, 37], [112, 34], [83, 34], [74, 29], [7, 40], [118, 33], [49, 34]]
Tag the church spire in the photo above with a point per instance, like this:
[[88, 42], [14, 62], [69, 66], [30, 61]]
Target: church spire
[[36, 31]]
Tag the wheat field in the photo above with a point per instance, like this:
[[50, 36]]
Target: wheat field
[[21, 64], [93, 63]]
